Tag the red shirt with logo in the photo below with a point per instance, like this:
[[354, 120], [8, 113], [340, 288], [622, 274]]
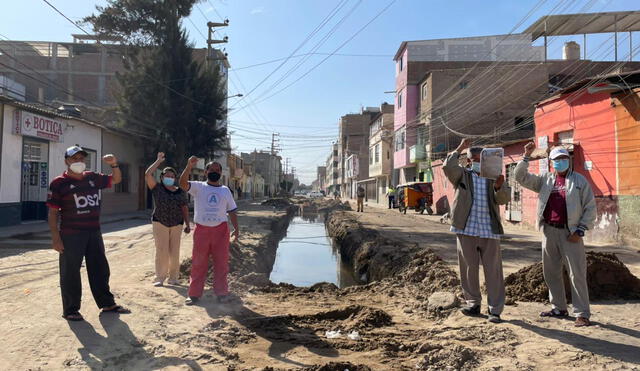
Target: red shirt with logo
[[78, 200], [556, 209]]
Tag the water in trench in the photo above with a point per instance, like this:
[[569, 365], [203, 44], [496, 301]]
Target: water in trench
[[307, 256]]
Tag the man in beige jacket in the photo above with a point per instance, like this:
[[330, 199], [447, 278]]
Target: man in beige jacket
[[566, 209], [475, 219]]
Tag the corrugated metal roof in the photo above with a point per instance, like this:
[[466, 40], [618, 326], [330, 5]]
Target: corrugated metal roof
[[584, 23], [623, 81]]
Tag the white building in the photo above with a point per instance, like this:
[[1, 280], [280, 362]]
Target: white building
[[32, 155]]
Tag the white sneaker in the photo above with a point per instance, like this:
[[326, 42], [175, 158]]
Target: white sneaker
[[173, 282], [157, 283]]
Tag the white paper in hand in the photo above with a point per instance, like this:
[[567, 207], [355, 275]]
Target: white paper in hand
[[491, 162]]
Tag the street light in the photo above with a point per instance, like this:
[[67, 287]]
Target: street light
[[233, 96]]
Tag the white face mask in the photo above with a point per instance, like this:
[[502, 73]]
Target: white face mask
[[475, 166], [78, 167]]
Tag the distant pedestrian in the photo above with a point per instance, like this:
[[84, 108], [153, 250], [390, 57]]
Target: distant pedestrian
[[475, 219], [74, 199], [336, 195], [391, 195], [239, 190], [212, 203], [170, 217], [360, 193], [566, 209]]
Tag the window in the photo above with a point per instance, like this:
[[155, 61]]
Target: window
[[377, 153], [400, 63], [400, 139], [370, 156], [399, 100], [463, 85], [123, 186], [388, 155], [425, 90], [523, 123], [91, 159]]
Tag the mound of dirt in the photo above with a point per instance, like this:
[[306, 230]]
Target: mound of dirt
[[454, 357], [431, 273], [338, 366], [278, 203], [353, 317], [607, 277]]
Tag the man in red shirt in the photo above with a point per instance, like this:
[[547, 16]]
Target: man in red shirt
[[74, 199]]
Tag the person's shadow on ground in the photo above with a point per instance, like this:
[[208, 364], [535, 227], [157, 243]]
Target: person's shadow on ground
[[120, 348], [282, 331], [621, 352]]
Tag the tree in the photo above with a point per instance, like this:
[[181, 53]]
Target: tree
[[165, 92]]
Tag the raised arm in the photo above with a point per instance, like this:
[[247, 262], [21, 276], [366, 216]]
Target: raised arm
[[116, 174], [148, 175], [184, 177], [522, 174], [451, 166]]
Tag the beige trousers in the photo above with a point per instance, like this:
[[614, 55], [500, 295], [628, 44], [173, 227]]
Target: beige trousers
[[472, 250], [167, 241], [556, 252]]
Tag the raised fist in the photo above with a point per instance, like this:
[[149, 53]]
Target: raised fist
[[464, 144], [160, 156], [110, 159], [529, 148], [193, 160]]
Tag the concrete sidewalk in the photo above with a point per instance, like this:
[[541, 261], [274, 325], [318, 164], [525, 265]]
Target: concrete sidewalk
[[38, 227]]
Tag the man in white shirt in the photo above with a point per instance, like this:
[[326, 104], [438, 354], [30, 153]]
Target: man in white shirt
[[212, 203]]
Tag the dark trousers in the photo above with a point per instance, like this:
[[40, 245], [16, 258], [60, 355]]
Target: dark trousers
[[391, 199], [87, 245]]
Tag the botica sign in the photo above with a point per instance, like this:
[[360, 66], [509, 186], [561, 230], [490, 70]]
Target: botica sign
[[29, 124]]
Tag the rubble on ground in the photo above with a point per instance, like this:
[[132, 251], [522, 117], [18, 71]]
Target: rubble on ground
[[278, 203]]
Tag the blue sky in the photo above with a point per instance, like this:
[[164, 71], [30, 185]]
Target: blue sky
[[307, 112]]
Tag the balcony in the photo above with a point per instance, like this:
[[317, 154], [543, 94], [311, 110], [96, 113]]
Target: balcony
[[417, 153]]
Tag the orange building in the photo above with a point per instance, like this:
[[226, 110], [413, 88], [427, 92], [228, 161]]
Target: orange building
[[598, 121]]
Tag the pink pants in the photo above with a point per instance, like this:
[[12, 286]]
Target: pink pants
[[210, 242]]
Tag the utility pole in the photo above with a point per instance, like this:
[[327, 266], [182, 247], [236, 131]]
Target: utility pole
[[275, 147], [211, 41]]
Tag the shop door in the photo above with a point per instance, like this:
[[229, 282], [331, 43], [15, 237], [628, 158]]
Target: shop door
[[514, 207], [35, 179]]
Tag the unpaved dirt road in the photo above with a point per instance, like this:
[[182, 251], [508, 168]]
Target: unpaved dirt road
[[282, 327]]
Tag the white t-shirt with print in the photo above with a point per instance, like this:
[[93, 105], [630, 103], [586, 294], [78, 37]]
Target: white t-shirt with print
[[211, 203]]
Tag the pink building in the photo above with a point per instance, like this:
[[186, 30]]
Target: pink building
[[415, 58]]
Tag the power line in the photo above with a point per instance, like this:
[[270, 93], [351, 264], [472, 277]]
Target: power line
[[309, 36], [329, 56]]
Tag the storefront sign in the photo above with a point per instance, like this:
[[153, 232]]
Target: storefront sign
[[29, 124]]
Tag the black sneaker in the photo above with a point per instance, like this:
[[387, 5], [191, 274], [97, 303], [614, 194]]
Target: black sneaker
[[471, 310], [494, 318]]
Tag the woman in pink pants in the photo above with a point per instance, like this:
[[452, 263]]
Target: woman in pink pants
[[212, 203]]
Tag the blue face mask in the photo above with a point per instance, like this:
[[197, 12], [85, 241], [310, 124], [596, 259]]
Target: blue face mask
[[560, 165], [168, 181], [475, 166]]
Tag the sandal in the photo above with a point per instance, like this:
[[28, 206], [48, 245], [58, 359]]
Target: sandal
[[555, 312], [582, 322], [75, 317], [117, 309]]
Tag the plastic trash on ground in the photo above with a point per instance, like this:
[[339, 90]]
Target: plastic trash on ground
[[354, 335], [333, 334]]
